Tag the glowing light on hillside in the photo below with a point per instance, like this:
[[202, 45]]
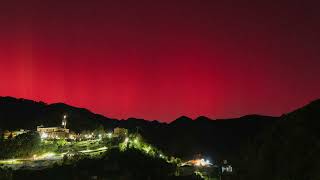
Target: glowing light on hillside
[[202, 162], [109, 135], [198, 162], [11, 161], [44, 136]]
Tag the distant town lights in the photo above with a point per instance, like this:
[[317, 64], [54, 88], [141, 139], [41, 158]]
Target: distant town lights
[[198, 162]]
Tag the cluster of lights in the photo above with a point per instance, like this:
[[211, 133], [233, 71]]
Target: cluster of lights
[[147, 149], [88, 136], [139, 145], [104, 148], [11, 161], [226, 169], [133, 141], [44, 135], [198, 163], [109, 135], [202, 162], [72, 137], [48, 155]]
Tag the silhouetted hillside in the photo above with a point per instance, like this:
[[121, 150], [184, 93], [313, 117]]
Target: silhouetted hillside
[[290, 150], [221, 138], [183, 136], [27, 114]]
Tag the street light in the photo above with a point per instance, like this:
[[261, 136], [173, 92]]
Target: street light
[[44, 136]]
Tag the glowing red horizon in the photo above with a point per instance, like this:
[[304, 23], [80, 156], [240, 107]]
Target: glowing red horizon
[[162, 60]]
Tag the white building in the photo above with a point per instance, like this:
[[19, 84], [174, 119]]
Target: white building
[[55, 132]]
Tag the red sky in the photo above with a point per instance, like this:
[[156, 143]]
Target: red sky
[[160, 60]]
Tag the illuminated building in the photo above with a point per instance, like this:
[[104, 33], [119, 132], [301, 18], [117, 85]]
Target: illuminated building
[[120, 132], [226, 167], [197, 162], [13, 134], [55, 132]]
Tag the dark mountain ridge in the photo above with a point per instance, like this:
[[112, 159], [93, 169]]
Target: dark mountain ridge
[[220, 138], [289, 150]]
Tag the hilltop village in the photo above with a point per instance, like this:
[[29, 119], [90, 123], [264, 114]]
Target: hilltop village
[[59, 145], [62, 132]]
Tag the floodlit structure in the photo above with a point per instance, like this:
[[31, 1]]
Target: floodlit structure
[[120, 132], [197, 162], [64, 121], [55, 132], [13, 134], [226, 167]]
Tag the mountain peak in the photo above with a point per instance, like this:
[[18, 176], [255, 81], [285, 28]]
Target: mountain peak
[[182, 120], [202, 118]]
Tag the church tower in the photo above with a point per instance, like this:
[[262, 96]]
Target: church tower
[[64, 121]]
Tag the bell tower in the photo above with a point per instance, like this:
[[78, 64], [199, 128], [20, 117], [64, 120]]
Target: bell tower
[[64, 121]]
